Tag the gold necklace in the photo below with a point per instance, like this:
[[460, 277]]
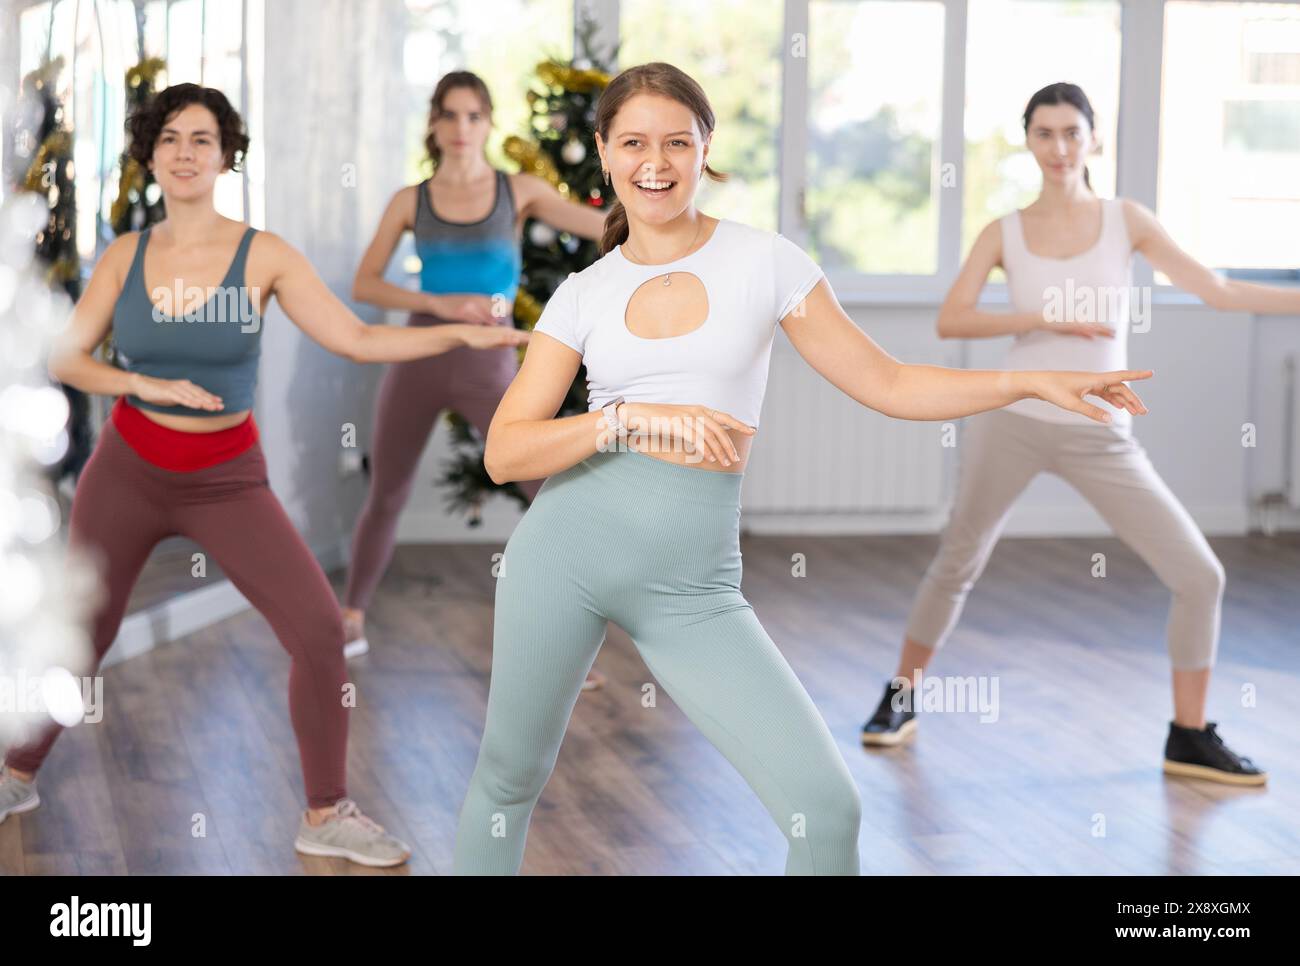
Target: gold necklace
[[669, 275]]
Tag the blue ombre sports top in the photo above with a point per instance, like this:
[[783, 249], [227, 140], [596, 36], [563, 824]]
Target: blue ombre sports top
[[481, 256]]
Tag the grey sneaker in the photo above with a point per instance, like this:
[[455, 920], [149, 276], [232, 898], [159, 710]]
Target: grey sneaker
[[16, 796], [348, 834]]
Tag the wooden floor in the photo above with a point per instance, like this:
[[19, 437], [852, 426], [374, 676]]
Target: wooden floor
[[196, 735]]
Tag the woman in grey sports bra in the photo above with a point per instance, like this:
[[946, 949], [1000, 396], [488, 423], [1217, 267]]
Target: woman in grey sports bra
[[181, 456], [469, 272]]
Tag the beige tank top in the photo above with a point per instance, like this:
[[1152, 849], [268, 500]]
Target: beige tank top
[[1093, 286]]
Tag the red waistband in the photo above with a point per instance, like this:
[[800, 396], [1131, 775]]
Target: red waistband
[[174, 449]]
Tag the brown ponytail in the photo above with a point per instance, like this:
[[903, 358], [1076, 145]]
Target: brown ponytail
[[653, 78]]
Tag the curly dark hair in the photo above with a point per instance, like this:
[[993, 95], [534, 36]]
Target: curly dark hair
[[145, 125]]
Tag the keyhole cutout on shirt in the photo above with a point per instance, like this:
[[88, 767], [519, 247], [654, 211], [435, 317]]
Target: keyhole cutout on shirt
[[667, 305]]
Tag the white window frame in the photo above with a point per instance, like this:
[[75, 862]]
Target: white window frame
[[1137, 149]]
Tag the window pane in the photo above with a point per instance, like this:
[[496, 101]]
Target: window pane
[[1230, 132], [875, 80], [1001, 174], [223, 69], [34, 30], [500, 40], [733, 49], [185, 42]]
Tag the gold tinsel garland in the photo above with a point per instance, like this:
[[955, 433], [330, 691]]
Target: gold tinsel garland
[[533, 161], [132, 177], [527, 309], [145, 72], [571, 78], [58, 144]]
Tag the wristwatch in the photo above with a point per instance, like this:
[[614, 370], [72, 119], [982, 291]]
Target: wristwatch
[[610, 409]]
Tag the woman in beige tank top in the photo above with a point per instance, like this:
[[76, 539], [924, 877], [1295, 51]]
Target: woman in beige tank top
[[1070, 249]]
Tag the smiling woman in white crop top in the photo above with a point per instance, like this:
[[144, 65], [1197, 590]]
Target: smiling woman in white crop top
[[675, 325], [750, 278], [1068, 251]]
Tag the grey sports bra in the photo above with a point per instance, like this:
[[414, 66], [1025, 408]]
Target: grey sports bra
[[215, 343]]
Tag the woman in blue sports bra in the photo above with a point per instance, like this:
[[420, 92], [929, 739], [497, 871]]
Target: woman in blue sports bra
[[469, 272]]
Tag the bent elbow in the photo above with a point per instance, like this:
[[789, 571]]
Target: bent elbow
[[59, 367], [491, 463], [354, 348]]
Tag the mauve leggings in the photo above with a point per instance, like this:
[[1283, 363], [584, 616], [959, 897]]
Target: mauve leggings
[[124, 505], [411, 396]]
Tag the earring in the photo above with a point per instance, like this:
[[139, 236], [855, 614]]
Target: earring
[[605, 172]]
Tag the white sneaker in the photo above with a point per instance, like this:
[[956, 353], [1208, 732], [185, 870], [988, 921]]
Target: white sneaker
[[354, 633], [16, 795]]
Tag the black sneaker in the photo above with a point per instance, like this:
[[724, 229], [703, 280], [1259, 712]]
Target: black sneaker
[[1202, 754], [891, 725]]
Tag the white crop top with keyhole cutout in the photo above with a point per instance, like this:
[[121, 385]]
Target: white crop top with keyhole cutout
[[753, 279]]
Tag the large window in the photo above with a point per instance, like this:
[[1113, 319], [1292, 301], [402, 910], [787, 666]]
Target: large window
[[861, 156], [1230, 133], [733, 49], [1014, 48], [875, 91]]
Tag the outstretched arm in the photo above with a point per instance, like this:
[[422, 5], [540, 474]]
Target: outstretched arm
[[1229, 294], [850, 360], [544, 202], [309, 303]]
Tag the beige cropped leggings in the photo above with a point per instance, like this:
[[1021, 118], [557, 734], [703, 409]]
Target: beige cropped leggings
[[1001, 452]]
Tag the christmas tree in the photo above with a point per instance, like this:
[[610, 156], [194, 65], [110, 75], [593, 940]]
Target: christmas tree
[[563, 151], [50, 174], [139, 202]]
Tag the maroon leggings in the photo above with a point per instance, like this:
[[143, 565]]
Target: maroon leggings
[[411, 395], [124, 505]]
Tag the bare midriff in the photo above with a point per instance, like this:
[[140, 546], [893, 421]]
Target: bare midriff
[[197, 424]]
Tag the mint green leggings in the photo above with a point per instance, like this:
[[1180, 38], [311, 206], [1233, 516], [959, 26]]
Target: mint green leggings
[[655, 548]]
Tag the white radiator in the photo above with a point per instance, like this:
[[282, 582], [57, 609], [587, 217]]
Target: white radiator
[[819, 452]]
